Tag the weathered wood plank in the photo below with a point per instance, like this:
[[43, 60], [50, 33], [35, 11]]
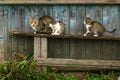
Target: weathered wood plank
[[1, 21], [2, 55], [60, 2], [61, 48], [107, 50], [6, 18], [20, 27], [98, 14], [64, 36], [72, 64], [28, 42], [118, 20], [51, 53], [90, 12], [74, 49], [115, 19], [44, 47], [73, 16], [1, 35], [37, 47], [89, 54], [115, 50], [77, 49], [81, 12], [96, 46], [107, 19]]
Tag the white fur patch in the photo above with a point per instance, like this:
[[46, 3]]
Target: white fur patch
[[33, 28], [55, 28], [87, 28], [95, 35]]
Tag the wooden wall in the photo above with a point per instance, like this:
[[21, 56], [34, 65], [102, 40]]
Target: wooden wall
[[15, 18]]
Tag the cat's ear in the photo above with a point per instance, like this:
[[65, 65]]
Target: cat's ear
[[30, 18]]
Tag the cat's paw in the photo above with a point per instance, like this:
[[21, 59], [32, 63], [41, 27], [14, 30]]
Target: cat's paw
[[95, 35], [55, 34], [35, 32], [85, 34]]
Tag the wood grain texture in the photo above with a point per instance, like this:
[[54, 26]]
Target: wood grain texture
[[61, 48], [44, 47], [73, 20], [77, 49], [60, 2], [73, 44], [115, 51], [73, 64], [37, 47], [51, 53], [72, 36], [107, 50]]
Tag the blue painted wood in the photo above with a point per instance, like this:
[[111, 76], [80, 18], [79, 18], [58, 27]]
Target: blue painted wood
[[73, 20], [61, 48], [90, 12], [15, 18], [99, 18]]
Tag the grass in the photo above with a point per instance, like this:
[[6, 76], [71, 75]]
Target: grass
[[23, 68]]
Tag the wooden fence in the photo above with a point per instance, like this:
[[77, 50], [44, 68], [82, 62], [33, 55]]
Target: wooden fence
[[14, 17], [41, 53]]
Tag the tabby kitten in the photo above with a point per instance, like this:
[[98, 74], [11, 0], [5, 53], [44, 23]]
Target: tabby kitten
[[41, 25], [58, 27], [94, 27]]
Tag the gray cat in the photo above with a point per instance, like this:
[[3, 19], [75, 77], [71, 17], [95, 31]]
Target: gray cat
[[95, 28]]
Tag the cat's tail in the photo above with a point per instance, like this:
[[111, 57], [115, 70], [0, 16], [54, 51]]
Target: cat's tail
[[111, 31]]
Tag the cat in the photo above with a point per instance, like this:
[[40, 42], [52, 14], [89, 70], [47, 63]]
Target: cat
[[58, 27], [41, 25], [95, 28]]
